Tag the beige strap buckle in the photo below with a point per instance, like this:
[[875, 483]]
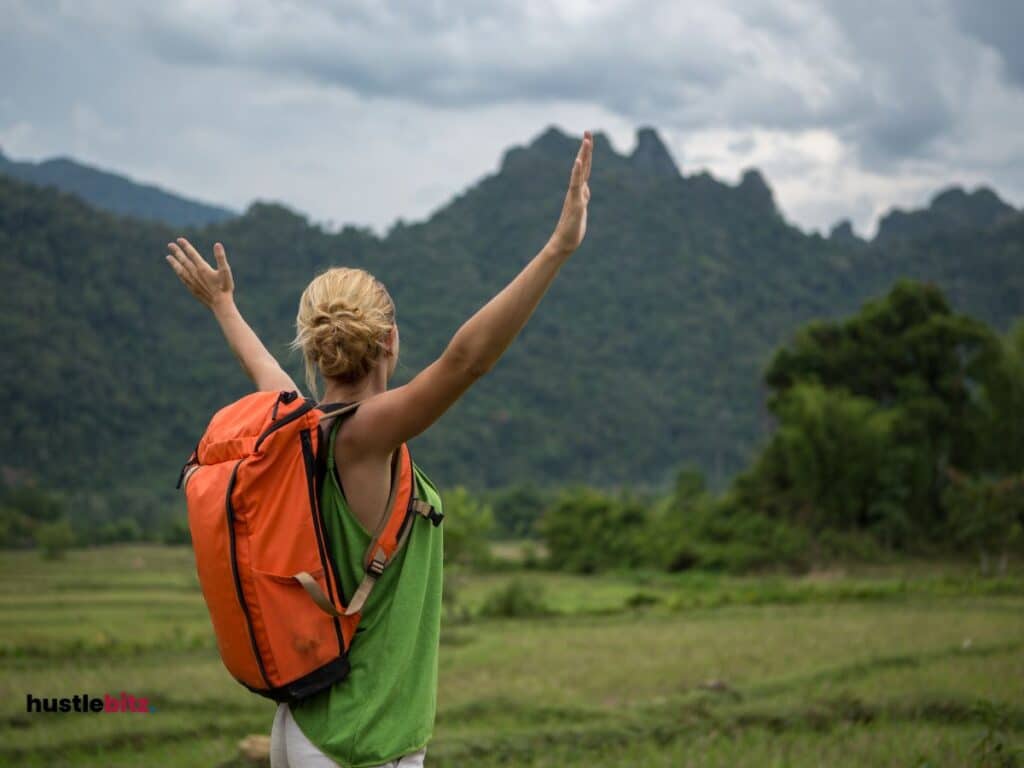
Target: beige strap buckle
[[425, 509], [377, 564]]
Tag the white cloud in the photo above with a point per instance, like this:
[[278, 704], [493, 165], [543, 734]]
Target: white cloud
[[366, 111]]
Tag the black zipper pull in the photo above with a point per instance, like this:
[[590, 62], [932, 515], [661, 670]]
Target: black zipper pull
[[284, 397]]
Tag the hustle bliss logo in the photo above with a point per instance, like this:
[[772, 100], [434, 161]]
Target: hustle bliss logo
[[84, 702]]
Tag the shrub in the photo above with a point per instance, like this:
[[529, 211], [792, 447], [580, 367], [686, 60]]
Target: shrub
[[986, 515], [642, 600], [516, 600], [718, 534], [177, 533], [468, 525], [121, 530], [517, 509], [589, 531], [54, 538], [455, 611], [531, 556]]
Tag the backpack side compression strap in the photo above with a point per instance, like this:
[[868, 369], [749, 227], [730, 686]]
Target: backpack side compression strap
[[313, 590]]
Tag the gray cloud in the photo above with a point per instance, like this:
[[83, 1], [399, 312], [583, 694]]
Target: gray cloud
[[998, 24], [443, 55], [878, 73], [906, 98], [867, 101]]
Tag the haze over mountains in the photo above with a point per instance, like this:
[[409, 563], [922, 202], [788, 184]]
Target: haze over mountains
[[113, 192], [647, 353]]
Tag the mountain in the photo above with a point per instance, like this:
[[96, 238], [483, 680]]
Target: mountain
[[651, 156], [114, 193], [646, 354], [842, 234], [950, 210]]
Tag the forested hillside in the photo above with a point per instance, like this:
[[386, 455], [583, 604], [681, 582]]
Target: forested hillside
[[648, 353], [113, 192]]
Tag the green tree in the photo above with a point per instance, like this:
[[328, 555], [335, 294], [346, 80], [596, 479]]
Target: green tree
[[675, 521], [987, 514], [839, 462], [908, 352], [54, 538], [177, 533], [34, 503], [15, 527], [468, 524], [1002, 403], [517, 508], [121, 530], [23, 509], [587, 531]]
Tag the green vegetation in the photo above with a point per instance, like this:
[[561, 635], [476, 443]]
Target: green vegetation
[[893, 436], [878, 413], [54, 538], [897, 431], [646, 356], [468, 525], [905, 664], [723, 555], [516, 600]]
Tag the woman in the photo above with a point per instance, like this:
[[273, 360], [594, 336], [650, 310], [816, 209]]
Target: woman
[[383, 712]]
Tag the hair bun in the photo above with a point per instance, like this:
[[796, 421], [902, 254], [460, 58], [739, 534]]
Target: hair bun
[[344, 318]]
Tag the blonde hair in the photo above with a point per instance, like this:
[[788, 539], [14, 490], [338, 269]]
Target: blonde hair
[[344, 319]]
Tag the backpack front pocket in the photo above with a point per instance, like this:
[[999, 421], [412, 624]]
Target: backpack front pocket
[[300, 636]]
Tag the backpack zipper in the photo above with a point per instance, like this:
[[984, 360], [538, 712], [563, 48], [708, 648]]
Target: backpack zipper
[[238, 580], [314, 507], [296, 414]]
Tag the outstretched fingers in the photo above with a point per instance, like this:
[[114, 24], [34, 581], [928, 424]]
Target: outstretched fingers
[[588, 153], [581, 166], [193, 255], [187, 268], [221, 256], [178, 269], [576, 178]]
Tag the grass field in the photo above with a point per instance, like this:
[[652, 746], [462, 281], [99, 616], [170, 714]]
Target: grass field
[[903, 666]]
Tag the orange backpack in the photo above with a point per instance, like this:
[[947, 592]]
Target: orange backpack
[[252, 485]]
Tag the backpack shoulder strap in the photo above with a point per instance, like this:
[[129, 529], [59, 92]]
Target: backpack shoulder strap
[[403, 507], [336, 409], [325, 452], [389, 538]]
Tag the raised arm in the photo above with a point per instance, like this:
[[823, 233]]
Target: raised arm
[[215, 289], [388, 419]]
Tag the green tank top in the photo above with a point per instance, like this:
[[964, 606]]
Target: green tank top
[[385, 707]]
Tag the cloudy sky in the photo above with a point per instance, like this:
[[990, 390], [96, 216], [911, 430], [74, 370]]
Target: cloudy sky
[[363, 112]]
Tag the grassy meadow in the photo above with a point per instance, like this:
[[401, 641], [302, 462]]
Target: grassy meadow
[[901, 665]]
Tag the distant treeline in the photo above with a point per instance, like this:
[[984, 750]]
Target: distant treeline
[[898, 430]]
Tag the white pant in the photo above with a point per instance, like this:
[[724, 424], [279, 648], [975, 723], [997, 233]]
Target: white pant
[[289, 747]]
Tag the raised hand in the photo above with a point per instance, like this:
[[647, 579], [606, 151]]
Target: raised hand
[[211, 286], [572, 224], [215, 288]]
